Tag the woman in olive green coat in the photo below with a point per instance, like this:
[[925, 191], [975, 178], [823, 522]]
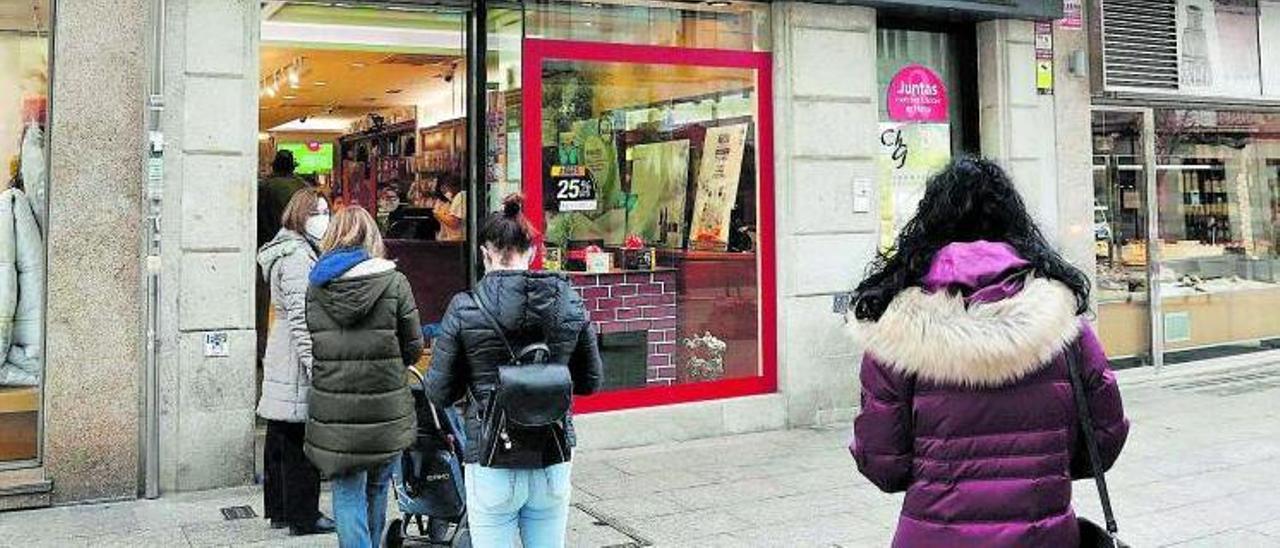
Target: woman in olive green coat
[[365, 330]]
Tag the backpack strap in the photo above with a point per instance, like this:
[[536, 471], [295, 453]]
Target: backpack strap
[[493, 322]]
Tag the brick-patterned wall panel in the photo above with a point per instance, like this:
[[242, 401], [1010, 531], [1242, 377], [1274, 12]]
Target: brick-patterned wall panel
[[636, 301]]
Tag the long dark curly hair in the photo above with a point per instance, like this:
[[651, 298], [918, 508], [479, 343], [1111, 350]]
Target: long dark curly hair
[[970, 199]]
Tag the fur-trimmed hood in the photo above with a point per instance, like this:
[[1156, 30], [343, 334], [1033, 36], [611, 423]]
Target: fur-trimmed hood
[[948, 336]]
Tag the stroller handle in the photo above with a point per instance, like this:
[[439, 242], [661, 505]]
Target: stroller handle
[[422, 382]]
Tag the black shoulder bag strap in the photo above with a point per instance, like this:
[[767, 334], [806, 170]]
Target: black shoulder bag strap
[[1091, 442]]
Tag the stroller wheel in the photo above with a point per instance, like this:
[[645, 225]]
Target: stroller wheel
[[395, 534]]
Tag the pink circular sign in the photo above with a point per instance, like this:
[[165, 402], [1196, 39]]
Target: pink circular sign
[[917, 94]]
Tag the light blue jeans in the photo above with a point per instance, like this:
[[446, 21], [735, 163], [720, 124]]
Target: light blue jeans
[[534, 503], [360, 505]]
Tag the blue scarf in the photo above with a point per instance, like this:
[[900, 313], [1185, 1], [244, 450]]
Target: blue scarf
[[334, 264]]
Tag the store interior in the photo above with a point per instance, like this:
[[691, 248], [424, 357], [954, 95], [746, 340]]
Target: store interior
[[371, 104]]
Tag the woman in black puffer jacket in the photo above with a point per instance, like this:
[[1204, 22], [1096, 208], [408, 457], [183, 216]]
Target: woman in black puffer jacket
[[531, 307]]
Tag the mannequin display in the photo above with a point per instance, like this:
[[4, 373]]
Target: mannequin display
[[22, 280]]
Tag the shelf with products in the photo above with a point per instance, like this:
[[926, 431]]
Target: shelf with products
[[374, 166]]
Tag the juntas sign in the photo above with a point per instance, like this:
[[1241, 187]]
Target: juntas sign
[[917, 94]]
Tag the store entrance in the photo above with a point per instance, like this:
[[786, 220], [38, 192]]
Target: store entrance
[[368, 105]]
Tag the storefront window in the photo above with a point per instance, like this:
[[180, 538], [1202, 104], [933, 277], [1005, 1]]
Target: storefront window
[[24, 97], [1120, 234], [655, 192], [1218, 178]]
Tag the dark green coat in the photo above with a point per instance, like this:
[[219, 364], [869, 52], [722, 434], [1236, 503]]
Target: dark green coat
[[364, 330]]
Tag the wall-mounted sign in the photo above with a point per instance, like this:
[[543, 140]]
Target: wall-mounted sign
[[1072, 14], [1044, 58], [216, 345], [917, 94]]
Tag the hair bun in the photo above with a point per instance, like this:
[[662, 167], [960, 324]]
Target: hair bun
[[512, 205]]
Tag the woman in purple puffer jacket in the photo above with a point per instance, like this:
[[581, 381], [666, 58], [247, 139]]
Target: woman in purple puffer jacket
[[966, 399]]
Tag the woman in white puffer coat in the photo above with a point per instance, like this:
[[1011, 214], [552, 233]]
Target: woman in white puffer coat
[[291, 484], [21, 291]]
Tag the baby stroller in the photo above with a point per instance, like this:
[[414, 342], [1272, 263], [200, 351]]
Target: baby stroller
[[428, 481]]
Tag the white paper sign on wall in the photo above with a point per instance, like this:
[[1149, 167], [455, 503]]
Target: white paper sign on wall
[[217, 345]]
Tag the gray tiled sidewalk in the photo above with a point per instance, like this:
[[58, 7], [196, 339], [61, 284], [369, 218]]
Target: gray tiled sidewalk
[[1200, 470]]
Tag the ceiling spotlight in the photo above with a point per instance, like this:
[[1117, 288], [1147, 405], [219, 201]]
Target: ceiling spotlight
[[289, 97], [719, 3], [358, 65], [321, 83]]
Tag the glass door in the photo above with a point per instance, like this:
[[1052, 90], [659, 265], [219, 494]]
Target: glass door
[[1123, 216]]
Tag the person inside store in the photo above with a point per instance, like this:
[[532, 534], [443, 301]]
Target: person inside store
[[517, 479], [274, 193], [975, 344], [365, 331], [452, 210], [291, 484]]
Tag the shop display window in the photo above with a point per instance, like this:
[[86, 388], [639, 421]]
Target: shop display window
[[654, 188], [1218, 185], [24, 118], [1120, 229]]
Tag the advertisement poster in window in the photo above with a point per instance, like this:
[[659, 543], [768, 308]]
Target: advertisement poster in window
[[717, 188], [1218, 40], [660, 176], [909, 154]]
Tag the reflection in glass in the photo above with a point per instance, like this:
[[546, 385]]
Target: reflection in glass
[[1218, 202], [1120, 234], [649, 197]]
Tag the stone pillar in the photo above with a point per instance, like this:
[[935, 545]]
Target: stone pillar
[[95, 305], [825, 117], [1013, 115], [209, 235], [1073, 126], [1051, 163]]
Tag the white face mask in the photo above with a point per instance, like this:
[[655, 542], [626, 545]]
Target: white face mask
[[317, 225]]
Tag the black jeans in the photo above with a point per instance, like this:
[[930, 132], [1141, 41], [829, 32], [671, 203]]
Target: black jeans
[[290, 483]]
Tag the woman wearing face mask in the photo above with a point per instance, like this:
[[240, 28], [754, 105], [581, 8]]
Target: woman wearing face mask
[[291, 484]]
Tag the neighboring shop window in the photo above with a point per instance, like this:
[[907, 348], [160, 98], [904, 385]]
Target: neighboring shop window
[[24, 97], [1218, 181], [924, 115], [655, 194], [1120, 235]]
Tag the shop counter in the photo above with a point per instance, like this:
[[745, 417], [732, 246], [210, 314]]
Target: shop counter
[[436, 272], [19, 412]]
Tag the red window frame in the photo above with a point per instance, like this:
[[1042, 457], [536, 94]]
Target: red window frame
[[535, 51]]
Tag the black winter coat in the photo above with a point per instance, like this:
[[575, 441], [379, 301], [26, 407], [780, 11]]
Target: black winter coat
[[531, 307], [364, 331]]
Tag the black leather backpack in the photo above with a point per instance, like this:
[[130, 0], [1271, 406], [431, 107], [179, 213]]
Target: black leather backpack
[[523, 424]]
